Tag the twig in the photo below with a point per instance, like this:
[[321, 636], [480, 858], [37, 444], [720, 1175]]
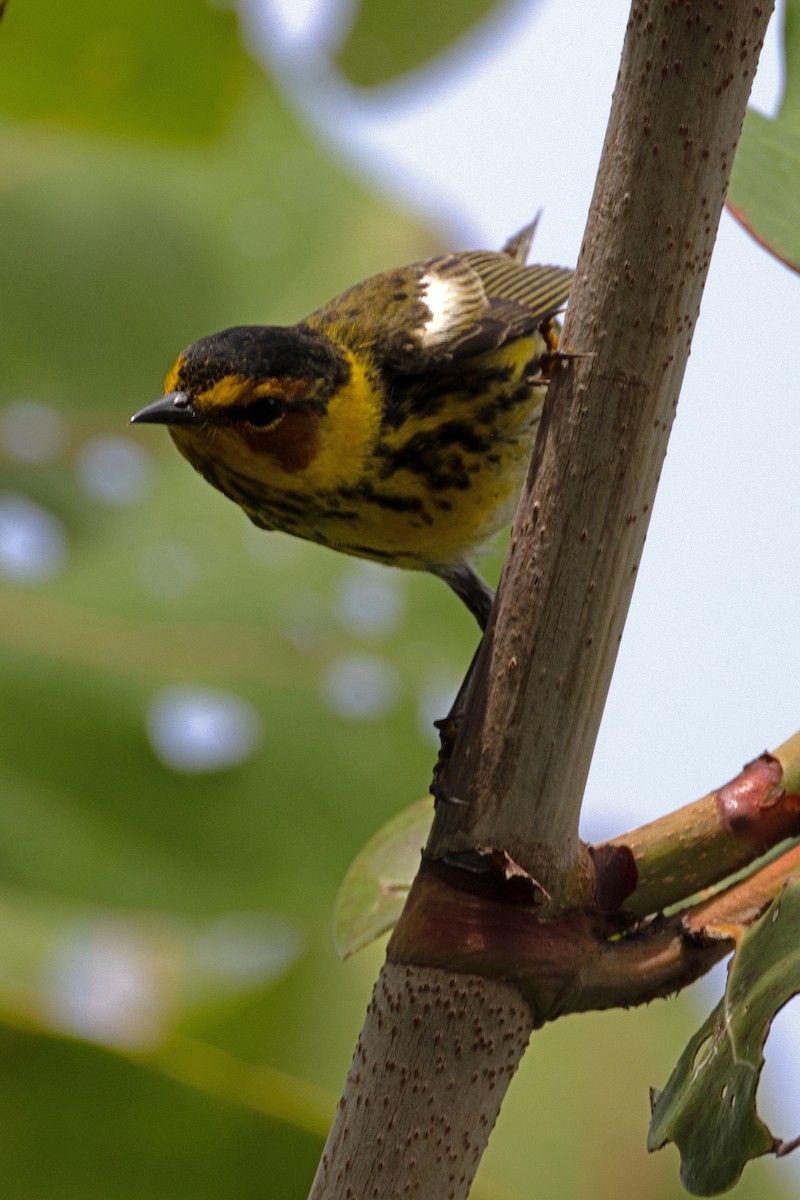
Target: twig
[[706, 841]]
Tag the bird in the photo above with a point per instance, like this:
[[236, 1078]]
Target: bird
[[394, 424]]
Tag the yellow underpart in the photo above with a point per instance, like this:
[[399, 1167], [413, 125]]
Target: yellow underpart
[[348, 433], [475, 513]]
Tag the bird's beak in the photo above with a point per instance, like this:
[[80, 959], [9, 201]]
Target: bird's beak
[[173, 409]]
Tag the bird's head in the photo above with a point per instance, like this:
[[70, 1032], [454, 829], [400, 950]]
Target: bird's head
[[252, 393]]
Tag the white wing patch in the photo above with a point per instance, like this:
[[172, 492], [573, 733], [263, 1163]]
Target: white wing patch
[[450, 303]]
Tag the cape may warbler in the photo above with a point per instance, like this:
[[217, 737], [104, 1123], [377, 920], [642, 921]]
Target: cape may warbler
[[395, 423]]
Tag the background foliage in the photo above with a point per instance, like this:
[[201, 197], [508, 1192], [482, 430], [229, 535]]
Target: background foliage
[[174, 1019]]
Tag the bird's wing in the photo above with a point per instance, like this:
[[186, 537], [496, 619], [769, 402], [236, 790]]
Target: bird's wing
[[415, 319], [467, 304], [479, 300]]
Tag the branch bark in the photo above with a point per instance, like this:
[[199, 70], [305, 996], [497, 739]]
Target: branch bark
[[523, 753], [523, 750]]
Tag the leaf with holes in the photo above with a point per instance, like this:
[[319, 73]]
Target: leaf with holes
[[708, 1107]]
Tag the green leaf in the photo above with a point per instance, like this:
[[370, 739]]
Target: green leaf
[[112, 68], [708, 1108], [388, 39], [375, 887], [764, 194]]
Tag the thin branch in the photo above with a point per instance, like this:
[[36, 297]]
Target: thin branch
[[706, 841], [739, 905]]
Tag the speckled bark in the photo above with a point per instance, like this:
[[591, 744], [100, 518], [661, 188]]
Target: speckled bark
[[438, 1049], [435, 1057]]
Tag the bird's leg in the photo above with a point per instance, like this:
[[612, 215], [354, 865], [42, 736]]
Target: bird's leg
[[478, 597], [470, 589]]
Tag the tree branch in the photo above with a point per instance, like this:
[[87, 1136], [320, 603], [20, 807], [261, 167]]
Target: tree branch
[[522, 754]]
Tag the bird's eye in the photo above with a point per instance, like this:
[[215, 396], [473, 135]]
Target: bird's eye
[[264, 411]]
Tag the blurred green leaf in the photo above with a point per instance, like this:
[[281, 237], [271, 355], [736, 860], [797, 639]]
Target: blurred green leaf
[[375, 887], [135, 67], [115, 254], [388, 39], [708, 1106], [129, 978], [116, 251], [764, 193], [81, 1123]]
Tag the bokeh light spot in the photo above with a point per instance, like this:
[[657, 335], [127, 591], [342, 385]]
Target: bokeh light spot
[[360, 687], [247, 946], [32, 432], [33, 543], [105, 982], [370, 601], [195, 729], [114, 470]]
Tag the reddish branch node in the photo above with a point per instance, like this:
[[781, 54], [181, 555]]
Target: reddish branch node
[[755, 808]]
